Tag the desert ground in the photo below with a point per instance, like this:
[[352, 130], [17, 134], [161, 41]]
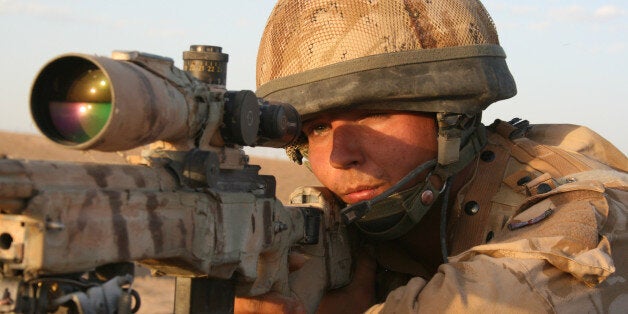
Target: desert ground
[[157, 293]]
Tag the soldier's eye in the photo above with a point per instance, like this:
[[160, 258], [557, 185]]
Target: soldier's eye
[[320, 128], [316, 128]]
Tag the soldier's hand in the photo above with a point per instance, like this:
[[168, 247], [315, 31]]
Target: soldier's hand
[[270, 303], [274, 302], [356, 297]]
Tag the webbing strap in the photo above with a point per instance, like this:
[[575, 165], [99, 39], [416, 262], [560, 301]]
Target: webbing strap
[[556, 162], [468, 229]]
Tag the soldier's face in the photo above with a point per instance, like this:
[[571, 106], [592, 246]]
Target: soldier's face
[[360, 154]]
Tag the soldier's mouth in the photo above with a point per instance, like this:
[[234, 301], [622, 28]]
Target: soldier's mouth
[[361, 194]]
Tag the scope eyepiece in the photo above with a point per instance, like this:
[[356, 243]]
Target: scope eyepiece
[[251, 121], [280, 125]]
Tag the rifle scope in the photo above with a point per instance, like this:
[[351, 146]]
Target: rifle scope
[[133, 99]]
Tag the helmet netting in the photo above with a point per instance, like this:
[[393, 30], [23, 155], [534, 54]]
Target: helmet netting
[[306, 34]]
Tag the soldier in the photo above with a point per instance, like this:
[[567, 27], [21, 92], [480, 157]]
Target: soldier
[[452, 216]]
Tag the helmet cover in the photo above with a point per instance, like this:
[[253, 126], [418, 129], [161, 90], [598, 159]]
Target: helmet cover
[[436, 56]]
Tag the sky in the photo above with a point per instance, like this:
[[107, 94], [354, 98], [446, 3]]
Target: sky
[[569, 58]]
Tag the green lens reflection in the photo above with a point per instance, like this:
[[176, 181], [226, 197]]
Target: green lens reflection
[[86, 108]]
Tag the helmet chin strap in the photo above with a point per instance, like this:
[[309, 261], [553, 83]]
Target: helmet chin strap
[[356, 211], [443, 221], [410, 205]]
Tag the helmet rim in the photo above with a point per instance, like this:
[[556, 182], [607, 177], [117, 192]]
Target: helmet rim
[[461, 79]]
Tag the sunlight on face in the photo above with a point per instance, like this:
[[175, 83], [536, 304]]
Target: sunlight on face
[[360, 154]]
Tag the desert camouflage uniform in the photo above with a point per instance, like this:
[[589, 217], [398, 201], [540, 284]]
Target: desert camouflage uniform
[[444, 57], [554, 239]]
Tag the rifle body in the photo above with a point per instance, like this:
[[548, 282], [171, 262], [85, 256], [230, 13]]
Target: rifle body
[[63, 218]]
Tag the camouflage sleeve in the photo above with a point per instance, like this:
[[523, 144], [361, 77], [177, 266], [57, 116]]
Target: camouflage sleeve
[[572, 260]]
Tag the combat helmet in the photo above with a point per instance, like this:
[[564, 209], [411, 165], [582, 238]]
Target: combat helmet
[[413, 55]]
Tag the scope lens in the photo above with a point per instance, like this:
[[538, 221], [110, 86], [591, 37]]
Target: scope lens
[[86, 108], [71, 100]]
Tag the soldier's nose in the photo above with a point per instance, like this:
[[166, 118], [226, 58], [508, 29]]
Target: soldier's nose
[[346, 149]]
